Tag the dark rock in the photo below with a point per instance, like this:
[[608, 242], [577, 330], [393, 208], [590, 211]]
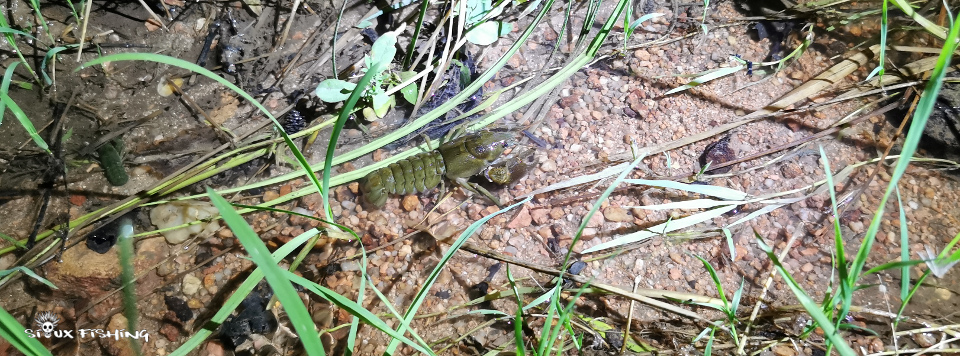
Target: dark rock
[[254, 318], [179, 307], [718, 153]]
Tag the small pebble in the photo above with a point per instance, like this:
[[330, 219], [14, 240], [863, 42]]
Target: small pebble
[[548, 166], [856, 226], [522, 220], [348, 266], [410, 202], [616, 214], [556, 213], [405, 250], [595, 221], [270, 195], [191, 284]]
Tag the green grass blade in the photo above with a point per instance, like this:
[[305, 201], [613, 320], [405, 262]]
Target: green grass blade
[[884, 27], [892, 265], [411, 47], [716, 282], [43, 22], [7, 30], [176, 62], [705, 77], [661, 229], [14, 333], [24, 121], [127, 255], [8, 35], [242, 291], [543, 298], [518, 315], [50, 54], [809, 304], [924, 108], [5, 86], [906, 301], [847, 282], [354, 309], [714, 191], [904, 249], [380, 63], [29, 273], [428, 283], [279, 282], [928, 25], [708, 350]]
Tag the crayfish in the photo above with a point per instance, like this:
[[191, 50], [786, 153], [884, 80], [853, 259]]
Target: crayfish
[[458, 160]]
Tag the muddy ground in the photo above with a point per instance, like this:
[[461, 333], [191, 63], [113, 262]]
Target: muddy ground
[[618, 100]]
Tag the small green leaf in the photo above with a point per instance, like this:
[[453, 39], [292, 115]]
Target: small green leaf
[[383, 50], [484, 34], [380, 100], [642, 19], [409, 92], [383, 109], [476, 10], [334, 90]]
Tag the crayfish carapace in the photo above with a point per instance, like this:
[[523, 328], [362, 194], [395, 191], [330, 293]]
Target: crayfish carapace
[[458, 160]]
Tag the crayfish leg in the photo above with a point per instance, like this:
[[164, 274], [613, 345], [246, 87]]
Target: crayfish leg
[[477, 189]]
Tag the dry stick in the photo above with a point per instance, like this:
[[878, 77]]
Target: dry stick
[[83, 32], [626, 332], [154, 15], [148, 270], [166, 10], [927, 330], [443, 65], [170, 181], [834, 74], [801, 141], [858, 309], [286, 29], [220, 129], [296, 57], [89, 149], [645, 296], [56, 147], [750, 157], [348, 37], [766, 286], [873, 175]]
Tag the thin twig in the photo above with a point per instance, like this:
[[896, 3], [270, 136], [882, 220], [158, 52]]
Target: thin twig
[[153, 14], [286, 29], [220, 129], [766, 286], [83, 32]]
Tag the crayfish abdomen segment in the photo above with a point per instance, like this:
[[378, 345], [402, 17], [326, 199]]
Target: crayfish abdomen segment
[[408, 176]]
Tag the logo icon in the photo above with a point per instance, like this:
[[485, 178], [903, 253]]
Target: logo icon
[[47, 322]]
